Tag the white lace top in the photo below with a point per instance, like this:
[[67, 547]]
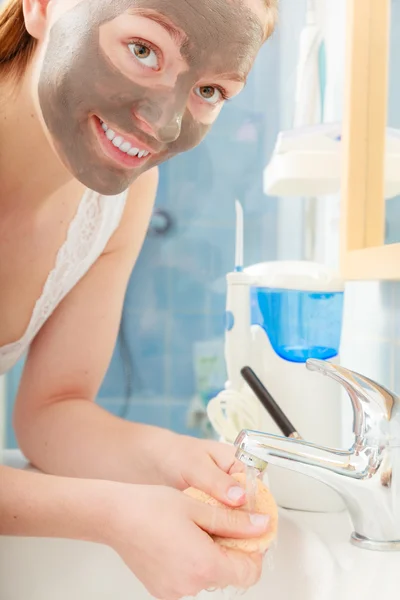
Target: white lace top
[[95, 221]]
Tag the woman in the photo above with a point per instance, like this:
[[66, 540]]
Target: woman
[[94, 95]]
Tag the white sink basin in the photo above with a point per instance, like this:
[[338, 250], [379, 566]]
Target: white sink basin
[[313, 560]]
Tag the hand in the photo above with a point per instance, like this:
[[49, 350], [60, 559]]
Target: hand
[[162, 535], [203, 464]]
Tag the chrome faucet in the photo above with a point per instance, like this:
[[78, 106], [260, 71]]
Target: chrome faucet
[[367, 476]]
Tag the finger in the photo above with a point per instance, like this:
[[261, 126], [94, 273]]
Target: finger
[[239, 569], [226, 522], [237, 467], [224, 455], [210, 478]]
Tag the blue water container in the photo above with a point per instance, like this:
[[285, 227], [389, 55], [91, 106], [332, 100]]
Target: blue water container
[[300, 324]]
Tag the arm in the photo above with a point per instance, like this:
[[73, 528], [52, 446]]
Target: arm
[[33, 505], [59, 427]]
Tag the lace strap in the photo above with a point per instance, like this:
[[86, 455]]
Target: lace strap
[[95, 221]]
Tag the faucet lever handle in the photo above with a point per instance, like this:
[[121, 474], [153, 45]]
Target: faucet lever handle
[[374, 405]]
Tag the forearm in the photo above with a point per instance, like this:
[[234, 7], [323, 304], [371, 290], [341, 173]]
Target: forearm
[[34, 505], [77, 438]]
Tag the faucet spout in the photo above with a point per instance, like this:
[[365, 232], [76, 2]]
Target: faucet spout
[[364, 479], [320, 463]]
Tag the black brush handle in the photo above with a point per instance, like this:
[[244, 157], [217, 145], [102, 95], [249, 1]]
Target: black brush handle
[[274, 410]]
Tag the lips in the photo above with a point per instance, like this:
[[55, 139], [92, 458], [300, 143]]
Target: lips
[[124, 143], [127, 151]]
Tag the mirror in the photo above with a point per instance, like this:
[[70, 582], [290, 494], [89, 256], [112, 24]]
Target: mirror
[[392, 203]]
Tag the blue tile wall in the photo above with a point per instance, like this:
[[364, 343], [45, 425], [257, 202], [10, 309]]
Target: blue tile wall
[[176, 295], [12, 383]]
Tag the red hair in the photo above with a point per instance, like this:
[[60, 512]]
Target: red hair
[[16, 44]]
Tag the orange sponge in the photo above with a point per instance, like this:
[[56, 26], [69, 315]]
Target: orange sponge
[[263, 503]]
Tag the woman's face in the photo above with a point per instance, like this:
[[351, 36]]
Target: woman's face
[[124, 85]]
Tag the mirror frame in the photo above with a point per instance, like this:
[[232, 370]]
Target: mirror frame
[[363, 253]]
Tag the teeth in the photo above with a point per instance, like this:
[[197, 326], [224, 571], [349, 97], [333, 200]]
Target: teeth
[[119, 142]]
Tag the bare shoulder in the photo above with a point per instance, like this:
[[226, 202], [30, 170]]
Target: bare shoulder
[[137, 213]]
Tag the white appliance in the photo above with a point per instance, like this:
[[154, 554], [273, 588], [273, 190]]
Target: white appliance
[[307, 162], [278, 315]]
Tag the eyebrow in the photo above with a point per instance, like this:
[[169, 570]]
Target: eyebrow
[[180, 37], [174, 32], [234, 77]]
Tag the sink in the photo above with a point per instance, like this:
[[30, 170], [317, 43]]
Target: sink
[[33, 569], [312, 560]]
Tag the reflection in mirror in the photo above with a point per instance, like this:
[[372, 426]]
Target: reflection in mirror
[[305, 170], [392, 216]]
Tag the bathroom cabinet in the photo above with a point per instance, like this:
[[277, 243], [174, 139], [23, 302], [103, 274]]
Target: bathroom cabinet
[[364, 253]]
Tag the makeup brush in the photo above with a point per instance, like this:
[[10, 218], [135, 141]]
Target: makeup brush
[[274, 410]]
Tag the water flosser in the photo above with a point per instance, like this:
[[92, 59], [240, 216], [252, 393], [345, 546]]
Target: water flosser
[[238, 330]]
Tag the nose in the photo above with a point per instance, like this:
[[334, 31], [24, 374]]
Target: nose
[[170, 132], [164, 123], [165, 132]]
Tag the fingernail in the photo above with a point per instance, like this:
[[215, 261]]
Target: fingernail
[[236, 493], [260, 521]]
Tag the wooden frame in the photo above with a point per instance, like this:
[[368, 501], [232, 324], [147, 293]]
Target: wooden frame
[[364, 255]]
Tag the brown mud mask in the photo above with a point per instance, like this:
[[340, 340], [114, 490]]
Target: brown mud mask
[[78, 80]]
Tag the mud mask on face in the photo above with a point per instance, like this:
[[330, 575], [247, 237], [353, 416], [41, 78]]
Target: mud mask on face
[[78, 81]]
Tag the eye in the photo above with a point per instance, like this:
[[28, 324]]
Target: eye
[[144, 54], [210, 94]]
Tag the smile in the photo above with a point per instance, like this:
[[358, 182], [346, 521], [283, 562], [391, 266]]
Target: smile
[[117, 147], [119, 142]]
